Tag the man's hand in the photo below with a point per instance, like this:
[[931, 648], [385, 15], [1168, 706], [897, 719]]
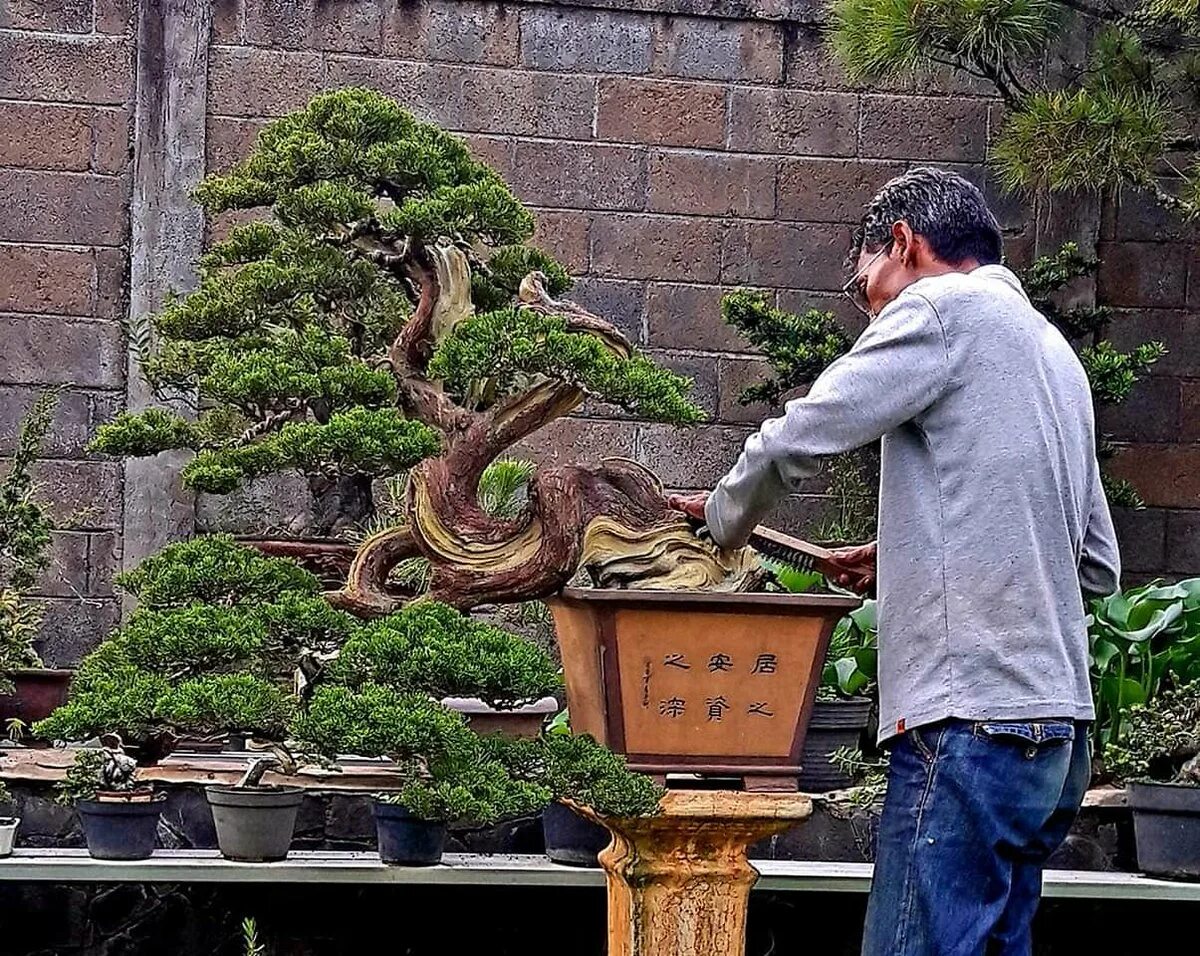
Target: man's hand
[[856, 567], [691, 505]]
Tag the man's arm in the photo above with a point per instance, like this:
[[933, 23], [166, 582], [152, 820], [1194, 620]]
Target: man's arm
[[1099, 557], [898, 367]]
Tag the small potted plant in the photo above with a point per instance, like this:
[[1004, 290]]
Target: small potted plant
[[1159, 759], [119, 813], [570, 838], [255, 821], [8, 823]]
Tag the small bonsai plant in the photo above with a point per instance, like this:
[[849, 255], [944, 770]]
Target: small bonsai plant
[[1159, 759], [118, 811], [24, 539], [8, 821]]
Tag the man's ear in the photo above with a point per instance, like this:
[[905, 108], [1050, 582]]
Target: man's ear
[[904, 242]]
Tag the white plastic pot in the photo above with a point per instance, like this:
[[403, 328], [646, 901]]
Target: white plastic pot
[[8, 832]]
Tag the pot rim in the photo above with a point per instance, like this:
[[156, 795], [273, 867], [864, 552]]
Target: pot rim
[[271, 789], [40, 672], [13, 822], [722, 599]]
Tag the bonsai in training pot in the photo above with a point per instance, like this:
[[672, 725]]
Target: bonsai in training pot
[[119, 813], [1159, 759], [28, 690]]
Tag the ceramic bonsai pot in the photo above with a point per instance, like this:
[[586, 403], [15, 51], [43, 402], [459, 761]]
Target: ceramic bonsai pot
[[405, 840], [121, 827], [570, 838], [8, 833], [39, 692], [1166, 829], [697, 682], [523, 721], [254, 824], [834, 724]]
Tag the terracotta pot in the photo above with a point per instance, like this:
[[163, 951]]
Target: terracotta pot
[[697, 682], [523, 721], [39, 691]]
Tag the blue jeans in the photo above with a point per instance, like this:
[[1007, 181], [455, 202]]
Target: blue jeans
[[973, 811]]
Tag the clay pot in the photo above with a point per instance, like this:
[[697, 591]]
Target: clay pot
[[254, 824], [524, 721], [39, 692], [1166, 828], [697, 682]]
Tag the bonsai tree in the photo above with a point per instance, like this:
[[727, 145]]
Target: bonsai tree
[[24, 538], [106, 769], [1162, 743], [1111, 120], [386, 318]]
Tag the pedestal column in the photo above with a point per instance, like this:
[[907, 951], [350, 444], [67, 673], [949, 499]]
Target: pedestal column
[[679, 882]]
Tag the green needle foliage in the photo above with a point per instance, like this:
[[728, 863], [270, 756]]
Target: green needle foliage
[[284, 344]]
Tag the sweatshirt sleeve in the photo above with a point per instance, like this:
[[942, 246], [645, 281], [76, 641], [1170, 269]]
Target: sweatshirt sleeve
[[898, 367], [1099, 557]]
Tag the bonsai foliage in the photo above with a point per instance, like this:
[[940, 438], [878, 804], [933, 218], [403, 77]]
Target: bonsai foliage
[[386, 318], [1163, 740], [24, 538], [212, 648], [106, 769]]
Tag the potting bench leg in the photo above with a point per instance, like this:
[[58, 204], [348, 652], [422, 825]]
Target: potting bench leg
[[679, 883]]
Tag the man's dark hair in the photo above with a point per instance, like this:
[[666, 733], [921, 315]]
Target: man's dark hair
[[942, 206]]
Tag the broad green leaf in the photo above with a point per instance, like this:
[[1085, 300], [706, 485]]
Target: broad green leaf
[[1103, 653], [846, 669], [865, 617]]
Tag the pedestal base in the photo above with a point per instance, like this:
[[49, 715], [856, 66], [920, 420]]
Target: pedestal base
[[679, 882]]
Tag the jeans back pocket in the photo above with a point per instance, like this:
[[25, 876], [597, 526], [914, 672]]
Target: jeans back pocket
[[1031, 734]]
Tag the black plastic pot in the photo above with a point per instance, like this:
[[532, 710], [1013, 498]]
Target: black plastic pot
[[254, 824], [570, 838], [119, 829], [406, 840], [835, 724], [1166, 828]]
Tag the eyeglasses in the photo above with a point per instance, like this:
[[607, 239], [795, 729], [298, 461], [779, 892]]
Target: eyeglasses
[[855, 288]]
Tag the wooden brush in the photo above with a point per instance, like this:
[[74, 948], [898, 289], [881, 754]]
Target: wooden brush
[[785, 549]]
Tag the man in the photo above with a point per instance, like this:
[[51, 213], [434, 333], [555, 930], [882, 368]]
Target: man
[[993, 525]]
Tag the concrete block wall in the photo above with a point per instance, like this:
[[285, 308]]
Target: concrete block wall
[[671, 149]]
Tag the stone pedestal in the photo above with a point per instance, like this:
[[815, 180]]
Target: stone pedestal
[[679, 882]]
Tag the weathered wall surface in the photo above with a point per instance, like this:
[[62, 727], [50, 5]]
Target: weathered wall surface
[[671, 148]]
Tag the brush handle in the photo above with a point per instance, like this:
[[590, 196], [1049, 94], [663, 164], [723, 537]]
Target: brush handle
[[764, 538]]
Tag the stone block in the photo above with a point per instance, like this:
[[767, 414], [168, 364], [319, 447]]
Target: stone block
[[735, 376], [46, 280], [1183, 543], [112, 281], [228, 141], [81, 494], [800, 301], [228, 25], [793, 122], [47, 16], [67, 573], [282, 24], [1141, 536], [1166, 476], [656, 247], [1178, 331], [830, 190], [1151, 413], [568, 441], [566, 236], [41, 136], [933, 128], [785, 255], [112, 144], [496, 151], [51, 351], [104, 561], [579, 40], [271, 505], [1193, 289], [580, 175], [89, 69], [246, 81], [1140, 218], [1143, 274], [732, 50], [63, 207], [709, 184], [661, 113], [73, 628], [72, 426], [696, 457], [618, 301], [116, 17], [687, 316], [351, 26], [1189, 412], [486, 33]]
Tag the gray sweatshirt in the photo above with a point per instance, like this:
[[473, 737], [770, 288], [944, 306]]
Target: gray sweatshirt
[[992, 520]]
